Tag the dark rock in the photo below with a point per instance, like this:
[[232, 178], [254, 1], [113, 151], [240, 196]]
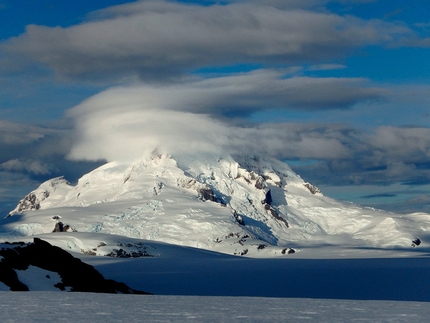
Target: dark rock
[[259, 183], [288, 251], [207, 194], [58, 227], [232, 235], [268, 198], [29, 202], [61, 227], [121, 253], [9, 277], [75, 274], [313, 189], [238, 218], [276, 215], [253, 175], [416, 242], [244, 252]]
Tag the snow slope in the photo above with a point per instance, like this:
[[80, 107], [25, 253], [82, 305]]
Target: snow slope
[[250, 206]]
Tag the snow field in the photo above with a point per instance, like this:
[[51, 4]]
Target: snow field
[[80, 307]]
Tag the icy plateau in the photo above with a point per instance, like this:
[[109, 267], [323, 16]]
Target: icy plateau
[[249, 206]]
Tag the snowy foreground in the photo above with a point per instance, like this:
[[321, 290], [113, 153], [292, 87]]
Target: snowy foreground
[[328, 285], [81, 307]]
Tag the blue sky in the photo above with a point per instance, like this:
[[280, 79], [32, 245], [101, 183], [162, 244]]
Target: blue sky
[[339, 89]]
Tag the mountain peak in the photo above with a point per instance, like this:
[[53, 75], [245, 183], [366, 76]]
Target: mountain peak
[[245, 205]]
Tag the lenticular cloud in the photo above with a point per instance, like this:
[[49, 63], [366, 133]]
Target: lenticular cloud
[[126, 123], [126, 132]]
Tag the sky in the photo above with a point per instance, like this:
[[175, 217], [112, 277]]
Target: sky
[[340, 89]]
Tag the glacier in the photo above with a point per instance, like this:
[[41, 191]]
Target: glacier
[[250, 206]]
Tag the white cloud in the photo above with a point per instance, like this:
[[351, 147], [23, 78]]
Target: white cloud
[[413, 142], [124, 123]]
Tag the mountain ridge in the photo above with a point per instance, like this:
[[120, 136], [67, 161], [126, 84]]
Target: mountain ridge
[[242, 205]]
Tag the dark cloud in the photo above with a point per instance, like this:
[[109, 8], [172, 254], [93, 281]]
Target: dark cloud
[[161, 40], [242, 94], [372, 196], [419, 203], [386, 156]]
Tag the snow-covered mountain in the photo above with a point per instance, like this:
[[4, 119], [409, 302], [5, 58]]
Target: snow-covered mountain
[[253, 206]]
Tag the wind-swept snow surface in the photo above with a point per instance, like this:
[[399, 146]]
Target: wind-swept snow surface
[[78, 307]]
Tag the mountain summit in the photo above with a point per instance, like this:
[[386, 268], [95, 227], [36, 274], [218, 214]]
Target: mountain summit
[[253, 206]]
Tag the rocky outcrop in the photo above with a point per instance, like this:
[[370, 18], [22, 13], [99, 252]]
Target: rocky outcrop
[[275, 214], [288, 251], [312, 188], [260, 183], [204, 191], [76, 275], [61, 227], [207, 194], [121, 253], [238, 218], [33, 200], [268, 198], [29, 202], [416, 242]]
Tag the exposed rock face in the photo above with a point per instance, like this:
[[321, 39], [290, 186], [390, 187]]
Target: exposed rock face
[[207, 194], [204, 191], [238, 218], [33, 200], [260, 183], [416, 242], [276, 215], [75, 274], [268, 199], [313, 189], [121, 253], [288, 251], [30, 202], [61, 227]]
